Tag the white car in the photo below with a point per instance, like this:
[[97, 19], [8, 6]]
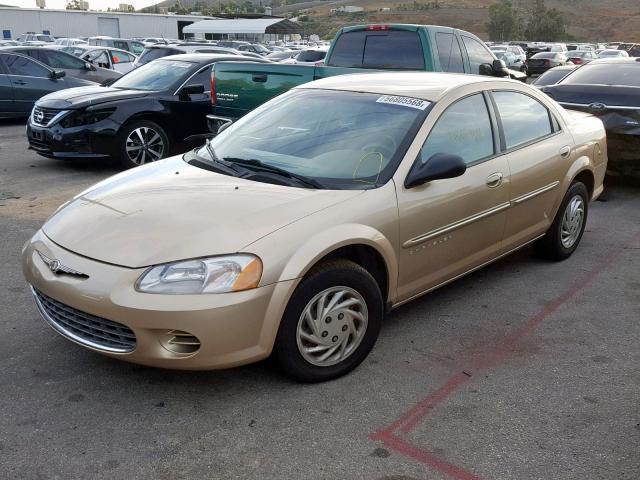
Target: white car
[[309, 56], [610, 53], [515, 49], [69, 42], [105, 57]]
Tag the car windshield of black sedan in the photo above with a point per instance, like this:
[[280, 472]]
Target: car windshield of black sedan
[[340, 140], [154, 76], [606, 74]]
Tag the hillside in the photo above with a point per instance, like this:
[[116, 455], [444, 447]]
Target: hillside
[[594, 20]]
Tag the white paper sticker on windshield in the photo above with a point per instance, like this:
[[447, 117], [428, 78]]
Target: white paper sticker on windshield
[[404, 101]]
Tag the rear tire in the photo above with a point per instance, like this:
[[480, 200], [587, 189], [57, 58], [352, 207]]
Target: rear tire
[[567, 228], [331, 322], [142, 142]]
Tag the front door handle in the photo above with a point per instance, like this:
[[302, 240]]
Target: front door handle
[[565, 151], [259, 77], [494, 180], [20, 82]]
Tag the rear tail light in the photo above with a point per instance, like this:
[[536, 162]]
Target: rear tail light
[[547, 62], [213, 88], [377, 27], [577, 61]]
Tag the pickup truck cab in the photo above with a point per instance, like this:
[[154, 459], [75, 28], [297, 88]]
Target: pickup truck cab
[[238, 88]]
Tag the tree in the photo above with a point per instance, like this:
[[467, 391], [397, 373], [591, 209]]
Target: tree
[[504, 22], [546, 25], [74, 5]]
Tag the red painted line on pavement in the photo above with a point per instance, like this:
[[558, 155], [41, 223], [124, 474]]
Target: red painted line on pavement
[[422, 456], [408, 420]]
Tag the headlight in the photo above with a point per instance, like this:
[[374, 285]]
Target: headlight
[[230, 273], [85, 117]]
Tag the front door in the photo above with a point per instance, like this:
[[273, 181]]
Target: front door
[[30, 81], [450, 226]]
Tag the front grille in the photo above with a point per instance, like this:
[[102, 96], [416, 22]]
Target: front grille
[[43, 116], [84, 328]]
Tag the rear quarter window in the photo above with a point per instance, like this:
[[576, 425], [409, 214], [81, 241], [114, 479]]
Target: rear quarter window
[[379, 49]]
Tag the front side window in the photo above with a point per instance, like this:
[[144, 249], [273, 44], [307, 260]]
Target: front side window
[[61, 60], [343, 140], [464, 129], [99, 58], [24, 66], [449, 53], [478, 53], [524, 119], [121, 57]]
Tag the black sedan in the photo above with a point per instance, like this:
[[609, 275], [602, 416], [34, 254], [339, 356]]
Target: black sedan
[[609, 89], [23, 80], [73, 66], [541, 62], [146, 115]]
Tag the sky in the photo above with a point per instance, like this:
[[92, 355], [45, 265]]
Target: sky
[[93, 4]]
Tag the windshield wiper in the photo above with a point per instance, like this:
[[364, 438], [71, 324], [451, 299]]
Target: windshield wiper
[[258, 165], [227, 166]]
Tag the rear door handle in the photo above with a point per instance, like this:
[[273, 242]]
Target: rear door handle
[[494, 180], [20, 82], [565, 151], [259, 78]]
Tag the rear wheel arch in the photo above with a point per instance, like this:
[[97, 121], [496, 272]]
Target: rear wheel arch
[[587, 178]]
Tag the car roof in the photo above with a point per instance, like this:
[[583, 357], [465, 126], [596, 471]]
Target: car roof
[[205, 57], [615, 60], [425, 85]]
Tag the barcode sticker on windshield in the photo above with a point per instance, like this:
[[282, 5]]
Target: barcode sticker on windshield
[[404, 101]]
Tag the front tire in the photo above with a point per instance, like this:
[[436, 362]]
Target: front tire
[[567, 228], [142, 142], [331, 322]]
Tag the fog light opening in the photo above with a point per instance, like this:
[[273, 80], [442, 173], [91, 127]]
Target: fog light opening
[[179, 342]]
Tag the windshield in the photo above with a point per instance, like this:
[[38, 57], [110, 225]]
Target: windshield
[[158, 75], [341, 140], [601, 74], [150, 54]]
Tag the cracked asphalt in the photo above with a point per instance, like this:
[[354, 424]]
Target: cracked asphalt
[[523, 370]]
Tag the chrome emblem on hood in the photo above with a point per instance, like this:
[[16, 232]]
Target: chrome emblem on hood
[[57, 267]]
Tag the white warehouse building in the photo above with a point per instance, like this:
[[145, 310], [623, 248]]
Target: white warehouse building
[[76, 23]]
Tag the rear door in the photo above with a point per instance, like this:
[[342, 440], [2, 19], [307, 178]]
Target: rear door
[[30, 80], [7, 105], [538, 151]]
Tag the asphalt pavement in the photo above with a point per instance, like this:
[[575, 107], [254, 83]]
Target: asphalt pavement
[[526, 369]]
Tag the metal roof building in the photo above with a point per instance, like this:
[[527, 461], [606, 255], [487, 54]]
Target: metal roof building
[[77, 23]]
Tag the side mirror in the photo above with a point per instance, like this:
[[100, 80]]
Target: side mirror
[[57, 74], [438, 167], [218, 124], [89, 66], [192, 89]]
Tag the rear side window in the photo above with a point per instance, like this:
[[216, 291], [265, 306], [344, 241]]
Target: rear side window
[[24, 66], [594, 74], [478, 53], [464, 129], [121, 45], [449, 53], [379, 49], [524, 119]]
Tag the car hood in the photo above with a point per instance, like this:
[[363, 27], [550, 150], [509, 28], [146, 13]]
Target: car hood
[[171, 210], [81, 97]]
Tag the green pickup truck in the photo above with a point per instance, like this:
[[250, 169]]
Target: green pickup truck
[[237, 88]]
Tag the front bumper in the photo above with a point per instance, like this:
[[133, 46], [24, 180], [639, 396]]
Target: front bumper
[[87, 141], [233, 329]]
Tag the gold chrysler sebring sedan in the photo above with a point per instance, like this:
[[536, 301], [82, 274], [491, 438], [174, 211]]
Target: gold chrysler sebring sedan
[[297, 228]]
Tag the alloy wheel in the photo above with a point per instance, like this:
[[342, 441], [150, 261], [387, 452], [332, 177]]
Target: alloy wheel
[[144, 145]]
